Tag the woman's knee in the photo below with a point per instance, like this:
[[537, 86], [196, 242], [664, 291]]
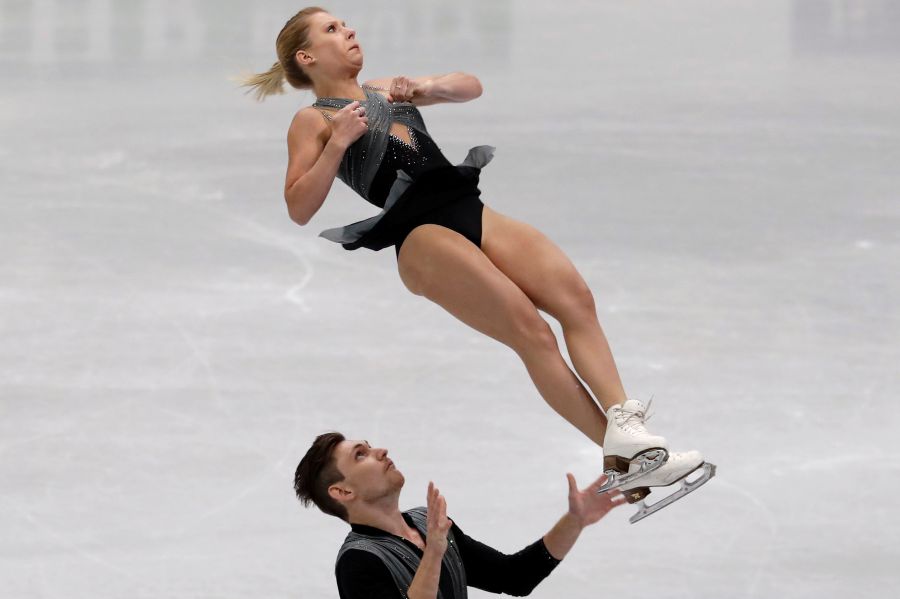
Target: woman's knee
[[529, 331], [576, 303]]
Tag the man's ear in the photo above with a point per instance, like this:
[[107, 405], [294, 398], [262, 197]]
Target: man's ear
[[340, 494], [303, 57]]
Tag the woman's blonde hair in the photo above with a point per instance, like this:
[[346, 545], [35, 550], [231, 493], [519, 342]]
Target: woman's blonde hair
[[294, 36]]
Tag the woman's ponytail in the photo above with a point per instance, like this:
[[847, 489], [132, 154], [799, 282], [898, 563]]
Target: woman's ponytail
[[294, 36], [266, 84]]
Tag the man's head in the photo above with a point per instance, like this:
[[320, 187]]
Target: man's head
[[342, 476]]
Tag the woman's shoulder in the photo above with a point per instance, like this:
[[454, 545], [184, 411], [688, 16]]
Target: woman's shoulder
[[308, 119], [308, 115]]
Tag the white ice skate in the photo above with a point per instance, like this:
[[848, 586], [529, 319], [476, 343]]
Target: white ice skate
[[677, 468], [630, 451]]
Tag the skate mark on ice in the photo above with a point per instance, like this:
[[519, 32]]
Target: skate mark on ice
[[259, 233], [773, 533], [68, 545], [274, 468], [873, 459], [247, 229]]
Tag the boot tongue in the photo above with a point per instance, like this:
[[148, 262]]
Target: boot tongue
[[633, 405]]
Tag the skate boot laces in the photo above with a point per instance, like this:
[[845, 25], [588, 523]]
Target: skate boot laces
[[632, 421]]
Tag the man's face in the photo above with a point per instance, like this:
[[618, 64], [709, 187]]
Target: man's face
[[369, 475]]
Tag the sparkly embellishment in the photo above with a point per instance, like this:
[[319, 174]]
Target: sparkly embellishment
[[371, 164], [412, 145], [407, 156]]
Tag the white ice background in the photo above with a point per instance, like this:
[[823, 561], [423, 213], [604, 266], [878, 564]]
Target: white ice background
[[726, 176]]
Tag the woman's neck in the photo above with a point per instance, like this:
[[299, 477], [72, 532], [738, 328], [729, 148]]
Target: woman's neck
[[347, 88]]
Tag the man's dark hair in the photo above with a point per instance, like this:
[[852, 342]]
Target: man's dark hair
[[316, 472]]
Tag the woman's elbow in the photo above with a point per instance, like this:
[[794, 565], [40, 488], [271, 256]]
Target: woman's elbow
[[477, 89], [296, 215], [300, 219]]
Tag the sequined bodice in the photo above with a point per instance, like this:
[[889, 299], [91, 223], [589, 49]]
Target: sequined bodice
[[414, 159]]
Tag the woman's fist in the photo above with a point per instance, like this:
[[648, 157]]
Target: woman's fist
[[349, 124], [404, 89]]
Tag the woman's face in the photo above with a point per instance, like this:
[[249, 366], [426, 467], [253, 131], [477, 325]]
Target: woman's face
[[333, 45]]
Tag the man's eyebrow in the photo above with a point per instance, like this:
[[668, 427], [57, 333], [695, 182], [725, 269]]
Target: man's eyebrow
[[352, 449]]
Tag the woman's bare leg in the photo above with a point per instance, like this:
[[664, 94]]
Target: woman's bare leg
[[547, 276], [445, 267]]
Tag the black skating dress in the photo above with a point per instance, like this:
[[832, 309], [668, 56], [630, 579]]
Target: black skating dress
[[413, 183]]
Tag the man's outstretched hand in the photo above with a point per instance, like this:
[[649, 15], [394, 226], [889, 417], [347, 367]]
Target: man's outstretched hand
[[438, 523], [588, 506], [585, 508], [428, 573]]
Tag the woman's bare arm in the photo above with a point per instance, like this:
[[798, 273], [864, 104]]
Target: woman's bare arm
[[315, 151], [433, 89], [312, 165]]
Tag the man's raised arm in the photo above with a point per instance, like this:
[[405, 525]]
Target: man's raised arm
[[585, 508], [518, 574]]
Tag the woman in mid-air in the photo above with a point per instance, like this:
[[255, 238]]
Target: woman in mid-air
[[488, 270]]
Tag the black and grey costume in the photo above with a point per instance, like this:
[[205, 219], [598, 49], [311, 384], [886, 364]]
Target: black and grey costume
[[414, 184], [375, 564]]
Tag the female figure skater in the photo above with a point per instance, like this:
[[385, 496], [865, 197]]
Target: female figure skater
[[488, 270]]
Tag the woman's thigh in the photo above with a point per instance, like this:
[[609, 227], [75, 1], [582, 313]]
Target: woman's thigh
[[536, 265], [448, 269]]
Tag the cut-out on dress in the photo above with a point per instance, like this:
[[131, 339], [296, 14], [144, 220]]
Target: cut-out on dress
[[411, 181]]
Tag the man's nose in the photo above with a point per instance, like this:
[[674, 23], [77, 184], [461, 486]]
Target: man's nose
[[382, 453]]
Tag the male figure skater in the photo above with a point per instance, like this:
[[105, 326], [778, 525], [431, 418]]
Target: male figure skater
[[390, 554]]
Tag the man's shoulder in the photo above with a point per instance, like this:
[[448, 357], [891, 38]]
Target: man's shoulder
[[420, 510], [420, 515], [356, 555], [360, 573]]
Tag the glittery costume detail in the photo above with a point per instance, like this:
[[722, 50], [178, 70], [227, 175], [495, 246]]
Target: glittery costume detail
[[368, 163], [363, 157], [402, 562], [413, 159]]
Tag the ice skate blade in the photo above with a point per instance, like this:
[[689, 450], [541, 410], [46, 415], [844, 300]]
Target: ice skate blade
[[644, 510], [649, 461]]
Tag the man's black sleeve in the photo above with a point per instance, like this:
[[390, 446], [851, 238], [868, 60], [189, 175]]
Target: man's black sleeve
[[490, 570], [361, 574]]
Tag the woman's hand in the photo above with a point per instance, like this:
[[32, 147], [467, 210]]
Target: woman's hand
[[438, 522], [404, 89], [588, 506], [349, 124]]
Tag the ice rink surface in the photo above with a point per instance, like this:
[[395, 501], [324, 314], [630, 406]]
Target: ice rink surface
[[725, 175]]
